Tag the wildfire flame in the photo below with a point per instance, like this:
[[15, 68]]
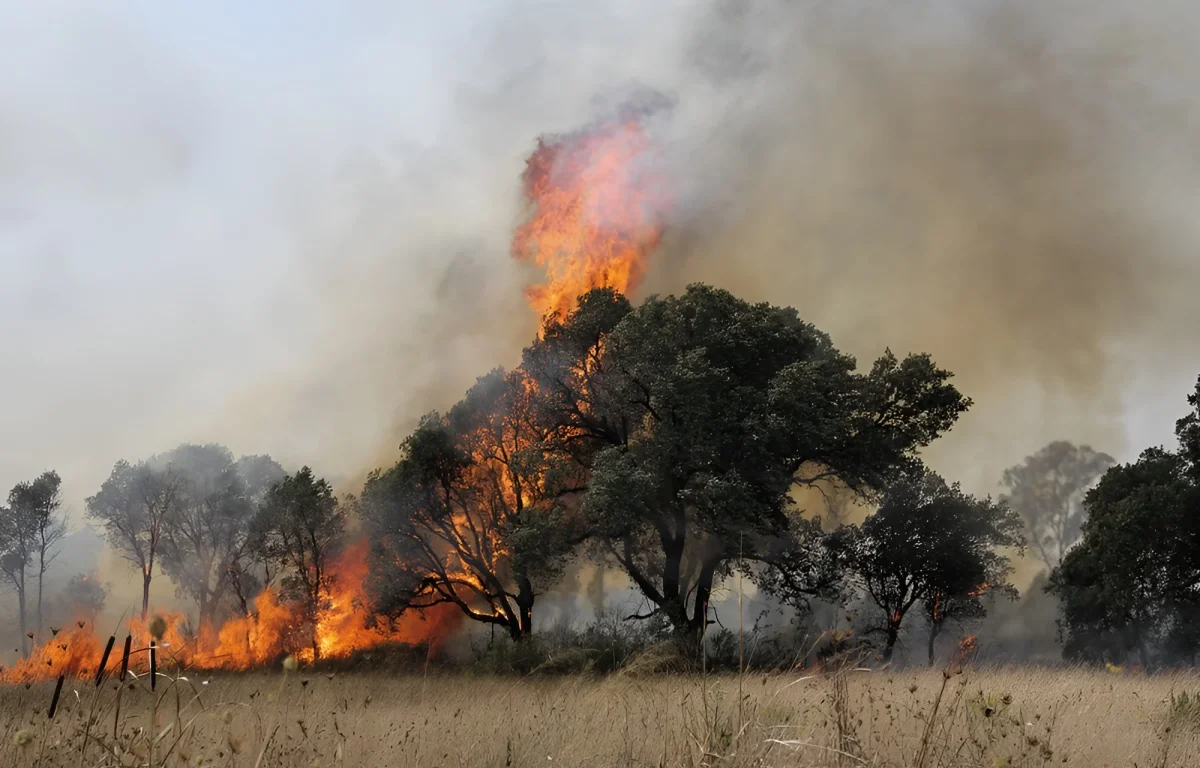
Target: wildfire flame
[[598, 203], [598, 206], [274, 629]]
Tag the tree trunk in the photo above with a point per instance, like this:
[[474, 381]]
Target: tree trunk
[[145, 593], [525, 599], [893, 632], [699, 621], [22, 621], [934, 628], [41, 577]]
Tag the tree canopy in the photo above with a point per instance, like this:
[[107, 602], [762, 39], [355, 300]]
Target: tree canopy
[[697, 415], [31, 527], [932, 545], [207, 535], [1047, 492], [1129, 589], [300, 527]]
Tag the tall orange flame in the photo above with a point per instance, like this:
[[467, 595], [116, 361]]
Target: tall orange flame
[[598, 206], [598, 202]]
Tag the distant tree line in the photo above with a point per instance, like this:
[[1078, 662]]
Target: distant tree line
[[223, 529], [678, 442]]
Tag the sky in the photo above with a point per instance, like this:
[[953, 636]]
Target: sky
[[285, 227]]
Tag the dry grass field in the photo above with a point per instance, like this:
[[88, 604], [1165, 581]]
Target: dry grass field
[[993, 718]]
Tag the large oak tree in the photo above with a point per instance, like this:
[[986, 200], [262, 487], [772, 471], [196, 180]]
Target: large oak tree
[[695, 417]]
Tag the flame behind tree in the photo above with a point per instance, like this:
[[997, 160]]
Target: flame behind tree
[[208, 535], [300, 527], [34, 525], [31, 528], [470, 517], [598, 205]]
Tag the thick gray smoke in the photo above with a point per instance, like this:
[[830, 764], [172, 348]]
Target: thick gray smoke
[[289, 233]]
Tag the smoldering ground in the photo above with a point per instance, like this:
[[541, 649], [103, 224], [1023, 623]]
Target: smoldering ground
[[290, 235]]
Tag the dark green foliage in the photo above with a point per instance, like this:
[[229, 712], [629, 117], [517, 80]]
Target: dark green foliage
[[1047, 492], [299, 527], [1128, 590], [929, 544], [696, 415]]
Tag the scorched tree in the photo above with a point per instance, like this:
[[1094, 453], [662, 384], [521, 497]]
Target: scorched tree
[[471, 514]]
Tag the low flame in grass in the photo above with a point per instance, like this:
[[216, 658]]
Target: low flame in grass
[[598, 205], [275, 629]]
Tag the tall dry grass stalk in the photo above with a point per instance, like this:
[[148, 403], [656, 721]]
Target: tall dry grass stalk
[[844, 715]]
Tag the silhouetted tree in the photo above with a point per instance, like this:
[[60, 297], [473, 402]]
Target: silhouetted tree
[[695, 416], [1128, 589], [470, 515], [300, 527], [929, 543], [1047, 492], [30, 529], [133, 505]]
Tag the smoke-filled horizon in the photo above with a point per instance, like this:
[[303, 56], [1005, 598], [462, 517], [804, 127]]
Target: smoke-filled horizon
[[291, 235]]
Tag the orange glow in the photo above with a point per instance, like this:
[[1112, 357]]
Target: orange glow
[[346, 625], [598, 207], [979, 590], [968, 645]]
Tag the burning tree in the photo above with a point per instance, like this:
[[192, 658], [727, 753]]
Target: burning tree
[[30, 530], [695, 417], [1047, 491], [300, 527], [208, 533], [929, 543], [470, 516]]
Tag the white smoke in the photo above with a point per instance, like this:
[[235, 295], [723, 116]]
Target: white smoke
[[286, 228]]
